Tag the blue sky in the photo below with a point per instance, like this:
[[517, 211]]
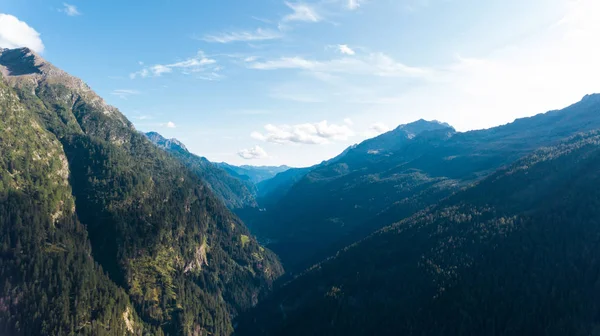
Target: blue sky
[[269, 82]]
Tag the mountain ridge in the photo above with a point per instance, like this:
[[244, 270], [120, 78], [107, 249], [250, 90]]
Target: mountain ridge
[[235, 192], [360, 193], [164, 255], [161, 141], [482, 261]]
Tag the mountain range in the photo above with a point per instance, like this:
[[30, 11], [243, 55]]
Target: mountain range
[[512, 254], [392, 176], [422, 230]]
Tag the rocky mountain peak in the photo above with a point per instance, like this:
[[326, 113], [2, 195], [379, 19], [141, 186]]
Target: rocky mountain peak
[[423, 125], [24, 68], [165, 143], [23, 61]]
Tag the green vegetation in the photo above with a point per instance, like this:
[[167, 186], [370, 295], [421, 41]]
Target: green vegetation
[[102, 232], [49, 285], [393, 176], [244, 239], [512, 255], [236, 191]]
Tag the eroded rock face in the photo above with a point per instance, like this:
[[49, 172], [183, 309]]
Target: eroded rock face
[[200, 259]]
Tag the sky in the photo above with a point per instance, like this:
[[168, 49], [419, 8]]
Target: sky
[[270, 82]]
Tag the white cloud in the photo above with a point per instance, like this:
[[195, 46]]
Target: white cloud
[[200, 64], [354, 4], [374, 64], [244, 36], [70, 10], [550, 68], [253, 153], [309, 133], [16, 34], [124, 93], [159, 69], [379, 128], [302, 12], [168, 124], [344, 49], [193, 63], [348, 122]]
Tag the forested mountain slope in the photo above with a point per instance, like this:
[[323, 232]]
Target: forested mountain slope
[[271, 191], [515, 254], [83, 193], [45, 253], [236, 192], [399, 173]]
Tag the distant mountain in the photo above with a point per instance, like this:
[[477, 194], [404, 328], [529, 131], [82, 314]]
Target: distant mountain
[[390, 177], [514, 254], [103, 233], [254, 174], [273, 189], [387, 143], [235, 191], [173, 145]]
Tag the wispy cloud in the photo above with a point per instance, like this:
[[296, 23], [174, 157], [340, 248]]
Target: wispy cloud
[[263, 20], [309, 133], [244, 36], [379, 128], [375, 130], [143, 117], [168, 124], [200, 64], [253, 153], [412, 6], [15, 33], [70, 10], [375, 64], [124, 93], [344, 49], [354, 4], [301, 12]]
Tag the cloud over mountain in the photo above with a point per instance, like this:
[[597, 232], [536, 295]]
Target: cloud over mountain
[[308, 133], [15, 33], [253, 153]]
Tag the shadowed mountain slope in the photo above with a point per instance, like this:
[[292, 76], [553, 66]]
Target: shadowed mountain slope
[[513, 254], [103, 233]]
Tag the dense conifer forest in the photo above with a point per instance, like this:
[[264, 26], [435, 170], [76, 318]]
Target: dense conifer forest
[[103, 232], [422, 230]]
